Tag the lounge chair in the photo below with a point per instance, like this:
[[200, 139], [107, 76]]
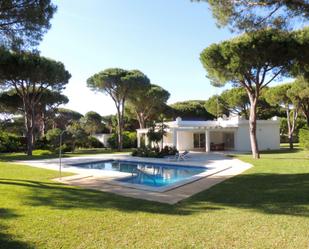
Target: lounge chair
[[182, 156]]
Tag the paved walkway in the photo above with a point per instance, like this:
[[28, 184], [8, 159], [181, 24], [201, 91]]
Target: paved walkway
[[221, 168]]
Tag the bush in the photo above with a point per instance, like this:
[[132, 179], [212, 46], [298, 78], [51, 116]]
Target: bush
[[169, 151], [11, 143], [53, 141], [129, 140], [52, 138], [42, 144], [154, 152], [304, 138], [41, 152], [75, 137]]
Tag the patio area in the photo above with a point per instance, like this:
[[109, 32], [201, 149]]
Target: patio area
[[220, 167]]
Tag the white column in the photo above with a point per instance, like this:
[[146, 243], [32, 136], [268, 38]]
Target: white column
[[138, 140], [146, 140], [207, 137], [175, 138]]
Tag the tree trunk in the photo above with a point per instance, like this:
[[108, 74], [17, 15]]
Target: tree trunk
[[120, 127], [43, 124], [290, 126], [29, 124], [288, 120], [141, 121], [29, 135], [291, 141], [252, 126], [29, 143], [33, 125], [119, 130], [291, 123], [162, 131]]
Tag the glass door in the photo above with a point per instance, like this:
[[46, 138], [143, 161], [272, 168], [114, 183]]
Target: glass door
[[199, 140], [228, 140]]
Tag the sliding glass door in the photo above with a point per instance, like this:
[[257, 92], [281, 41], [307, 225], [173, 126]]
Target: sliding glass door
[[199, 140]]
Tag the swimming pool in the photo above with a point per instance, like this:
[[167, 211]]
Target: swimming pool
[[154, 175]]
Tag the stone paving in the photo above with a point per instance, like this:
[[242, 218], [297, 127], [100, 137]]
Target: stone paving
[[223, 168]]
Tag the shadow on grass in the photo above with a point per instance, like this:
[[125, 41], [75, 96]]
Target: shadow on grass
[[7, 241], [286, 194], [59, 196], [9, 157], [281, 151]]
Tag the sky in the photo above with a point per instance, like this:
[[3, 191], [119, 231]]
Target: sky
[[161, 38]]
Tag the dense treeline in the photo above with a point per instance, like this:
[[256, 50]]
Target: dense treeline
[[268, 50]]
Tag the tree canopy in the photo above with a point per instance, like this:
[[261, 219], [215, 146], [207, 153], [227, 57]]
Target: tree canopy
[[236, 101], [191, 110], [265, 54], [119, 84], [24, 22], [12, 103], [64, 116], [251, 15], [253, 61], [216, 106], [281, 95], [92, 122], [30, 75], [299, 93], [146, 103]]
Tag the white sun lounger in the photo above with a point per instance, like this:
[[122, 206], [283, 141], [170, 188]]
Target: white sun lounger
[[182, 156]]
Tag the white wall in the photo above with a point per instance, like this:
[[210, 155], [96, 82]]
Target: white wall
[[168, 139], [268, 136], [184, 140], [103, 138]]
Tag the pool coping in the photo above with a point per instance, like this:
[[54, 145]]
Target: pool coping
[[123, 175], [101, 182], [168, 187]]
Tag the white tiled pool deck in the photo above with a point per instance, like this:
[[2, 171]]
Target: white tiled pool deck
[[219, 167]]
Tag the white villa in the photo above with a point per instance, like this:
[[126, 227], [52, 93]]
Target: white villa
[[223, 134]]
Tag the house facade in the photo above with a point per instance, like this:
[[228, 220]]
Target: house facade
[[222, 134]]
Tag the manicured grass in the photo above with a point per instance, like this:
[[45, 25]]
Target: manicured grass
[[45, 154], [266, 207]]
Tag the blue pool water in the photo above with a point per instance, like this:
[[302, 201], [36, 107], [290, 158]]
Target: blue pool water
[[149, 174]]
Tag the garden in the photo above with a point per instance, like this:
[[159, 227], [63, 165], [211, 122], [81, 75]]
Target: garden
[[267, 206], [269, 200]]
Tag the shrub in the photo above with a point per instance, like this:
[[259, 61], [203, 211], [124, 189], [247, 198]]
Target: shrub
[[11, 143], [42, 144], [154, 152], [304, 138], [53, 141], [129, 140], [72, 138], [41, 152], [52, 137], [169, 151]]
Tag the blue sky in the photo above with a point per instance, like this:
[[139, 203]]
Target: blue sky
[[162, 38]]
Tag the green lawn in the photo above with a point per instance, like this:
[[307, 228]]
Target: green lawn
[[46, 154], [267, 207]]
